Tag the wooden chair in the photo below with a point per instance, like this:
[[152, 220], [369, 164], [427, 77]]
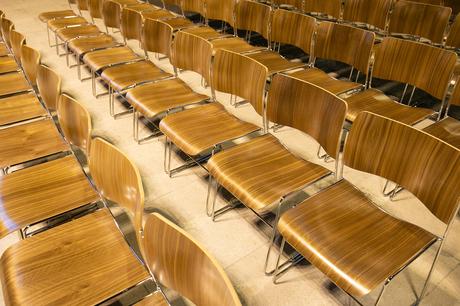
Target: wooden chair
[[328, 9], [372, 13], [95, 9], [177, 261], [111, 12], [55, 24], [6, 26], [419, 20], [49, 87], [16, 41], [343, 43], [296, 4], [39, 270], [453, 38], [66, 34], [222, 10], [353, 241], [262, 173], [205, 128], [7, 63], [46, 16], [195, 6], [419, 65]]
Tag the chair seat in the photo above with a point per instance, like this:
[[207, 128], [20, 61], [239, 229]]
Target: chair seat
[[155, 299], [156, 14], [103, 58], [447, 130], [82, 262], [140, 7], [260, 172], [179, 23], [323, 80], [201, 128], [82, 45], [46, 16], [3, 49], [126, 2], [356, 244], [55, 24], [30, 141], [12, 83], [8, 64], [153, 99], [123, 76], [274, 62], [43, 191], [73, 32], [234, 44], [375, 101], [205, 32], [19, 108]]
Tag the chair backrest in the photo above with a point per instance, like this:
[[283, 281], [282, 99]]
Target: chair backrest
[[344, 43], [195, 6], [157, 37], [223, 10], [192, 52], [117, 179], [82, 5], [75, 122], [6, 26], [420, 19], [180, 263], [253, 16], [95, 8], [240, 75], [453, 38], [421, 65], [131, 24], [424, 165], [289, 27], [49, 86], [172, 2], [308, 108], [328, 7], [17, 40], [30, 60], [371, 12], [298, 4], [111, 13]]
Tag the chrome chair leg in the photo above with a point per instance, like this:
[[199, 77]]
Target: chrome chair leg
[[379, 298]]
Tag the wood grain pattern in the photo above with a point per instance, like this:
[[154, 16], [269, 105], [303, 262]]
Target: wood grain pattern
[[453, 38], [419, 19], [20, 107], [95, 8], [157, 37], [422, 164], [49, 86], [29, 141], [12, 83], [30, 60], [448, 130], [85, 44], [41, 192], [200, 128], [298, 4], [3, 49], [157, 14], [234, 44], [357, 245], [179, 23], [427, 67], [111, 12], [73, 32], [274, 61], [17, 40], [221, 10], [253, 16], [8, 64], [328, 7], [55, 24], [101, 58], [6, 26], [205, 32], [179, 262], [46, 16], [79, 257], [195, 6], [131, 23], [82, 5], [289, 27], [371, 12]]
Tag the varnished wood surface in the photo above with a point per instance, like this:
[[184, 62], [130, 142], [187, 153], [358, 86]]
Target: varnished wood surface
[[154, 299], [298, 4], [381, 146], [111, 11], [329, 7], [274, 61], [427, 67], [371, 12], [8, 64], [420, 19], [294, 28], [41, 192], [205, 32], [101, 58], [453, 39], [95, 8], [3, 49], [260, 172], [85, 44], [221, 10], [30, 58], [45, 16], [140, 7], [20, 107], [12, 83], [30, 141], [6, 26], [17, 40], [447, 129], [253, 16], [154, 99], [131, 23], [342, 233], [73, 264], [234, 44], [178, 23], [179, 262], [196, 6], [82, 5], [322, 79], [55, 24], [73, 32], [49, 86], [157, 14], [203, 127], [120, 77], [157, 37]]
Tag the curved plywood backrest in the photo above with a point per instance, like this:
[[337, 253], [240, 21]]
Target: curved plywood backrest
[[131, 24], [157, 37], [191, 52], [49, 86], [298, 4], [30, 59], [308, 108], [195, 6], [453, 39], [289, 27], [372, 12], [328, 7], [111, 12], [421, 65], [17, 40], [82, 5], [223, 10], [417, 161], [75, 122], [180, 263], [117, 179], [95, 8], [420, 19], [240, 75], [172, 2], [6, 26], [344, 43], [253, 16]]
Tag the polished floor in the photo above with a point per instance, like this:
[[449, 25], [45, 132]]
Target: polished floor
[[238, 240]]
